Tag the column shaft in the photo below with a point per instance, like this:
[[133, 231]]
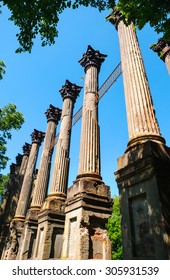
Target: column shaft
[[141, 117], [41, 184], [69, 93], [37, 138], [89, 145], [23, 165], [60, 171], [27, 183]]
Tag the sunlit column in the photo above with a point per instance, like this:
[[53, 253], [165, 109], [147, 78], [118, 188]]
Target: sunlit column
[[142, 122], [53, 115], [69, 93], [89, 159], [37, 138]]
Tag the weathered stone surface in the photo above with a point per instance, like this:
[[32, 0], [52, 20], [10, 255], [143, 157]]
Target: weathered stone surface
[[51, 217], [39, 190], [88, 204], [144, 184], [89, 160], [141, 118], [69, 93], [50, 231]]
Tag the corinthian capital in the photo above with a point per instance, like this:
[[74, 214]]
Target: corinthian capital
[[162, 48], [92, 58], [115, 17], [53, 114], [70, 90], [26, 149], [37, 136], [19, 159]]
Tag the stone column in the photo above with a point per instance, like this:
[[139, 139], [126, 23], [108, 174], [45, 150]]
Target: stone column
[[39, 192], [17, 224], [69, 93], [26, 151], [51, 217], [143, 175], [163, 50], [89, 160], [88, 204], [142, 122], [37, 138], [53, 115], [9, 204]]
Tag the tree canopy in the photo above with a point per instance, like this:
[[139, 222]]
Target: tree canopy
[[40, 17]]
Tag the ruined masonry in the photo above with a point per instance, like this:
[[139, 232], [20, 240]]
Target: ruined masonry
[[143, 174], [88, 204], [70, 223], [51, 218], [27, 242], [10, 201], [17, 224]]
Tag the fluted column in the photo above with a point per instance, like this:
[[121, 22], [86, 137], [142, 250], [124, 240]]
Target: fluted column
[[37, 138], [69, 93], [53, 115], [163, 50], [142, 122], [89, 159], [26, 151]]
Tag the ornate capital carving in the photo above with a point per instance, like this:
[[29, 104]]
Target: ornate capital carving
[[70, 90], [115, 17], [13, 168], [53, 114], [37, 136], [26, 148], [162, 48], [92, 58], [19, 159]]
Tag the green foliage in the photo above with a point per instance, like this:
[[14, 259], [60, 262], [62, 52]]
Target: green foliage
[[40, 17], [10, 119], [154, 12], [2, 69], [114, 230], [3, 183]]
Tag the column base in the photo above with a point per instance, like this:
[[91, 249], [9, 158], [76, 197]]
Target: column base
[[51, 220], [88, 207], [143, 138], [143, 179], [13, 240], [27, 240], [89, 176]]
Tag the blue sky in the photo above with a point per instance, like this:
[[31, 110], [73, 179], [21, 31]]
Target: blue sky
[[32, 82]]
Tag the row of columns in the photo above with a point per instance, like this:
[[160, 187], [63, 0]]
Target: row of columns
[[24, 212], [71, 215]]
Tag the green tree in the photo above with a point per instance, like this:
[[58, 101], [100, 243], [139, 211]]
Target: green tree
[[114, 230], [3, 183], [10, 119], [2, 69], [41, 17]]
